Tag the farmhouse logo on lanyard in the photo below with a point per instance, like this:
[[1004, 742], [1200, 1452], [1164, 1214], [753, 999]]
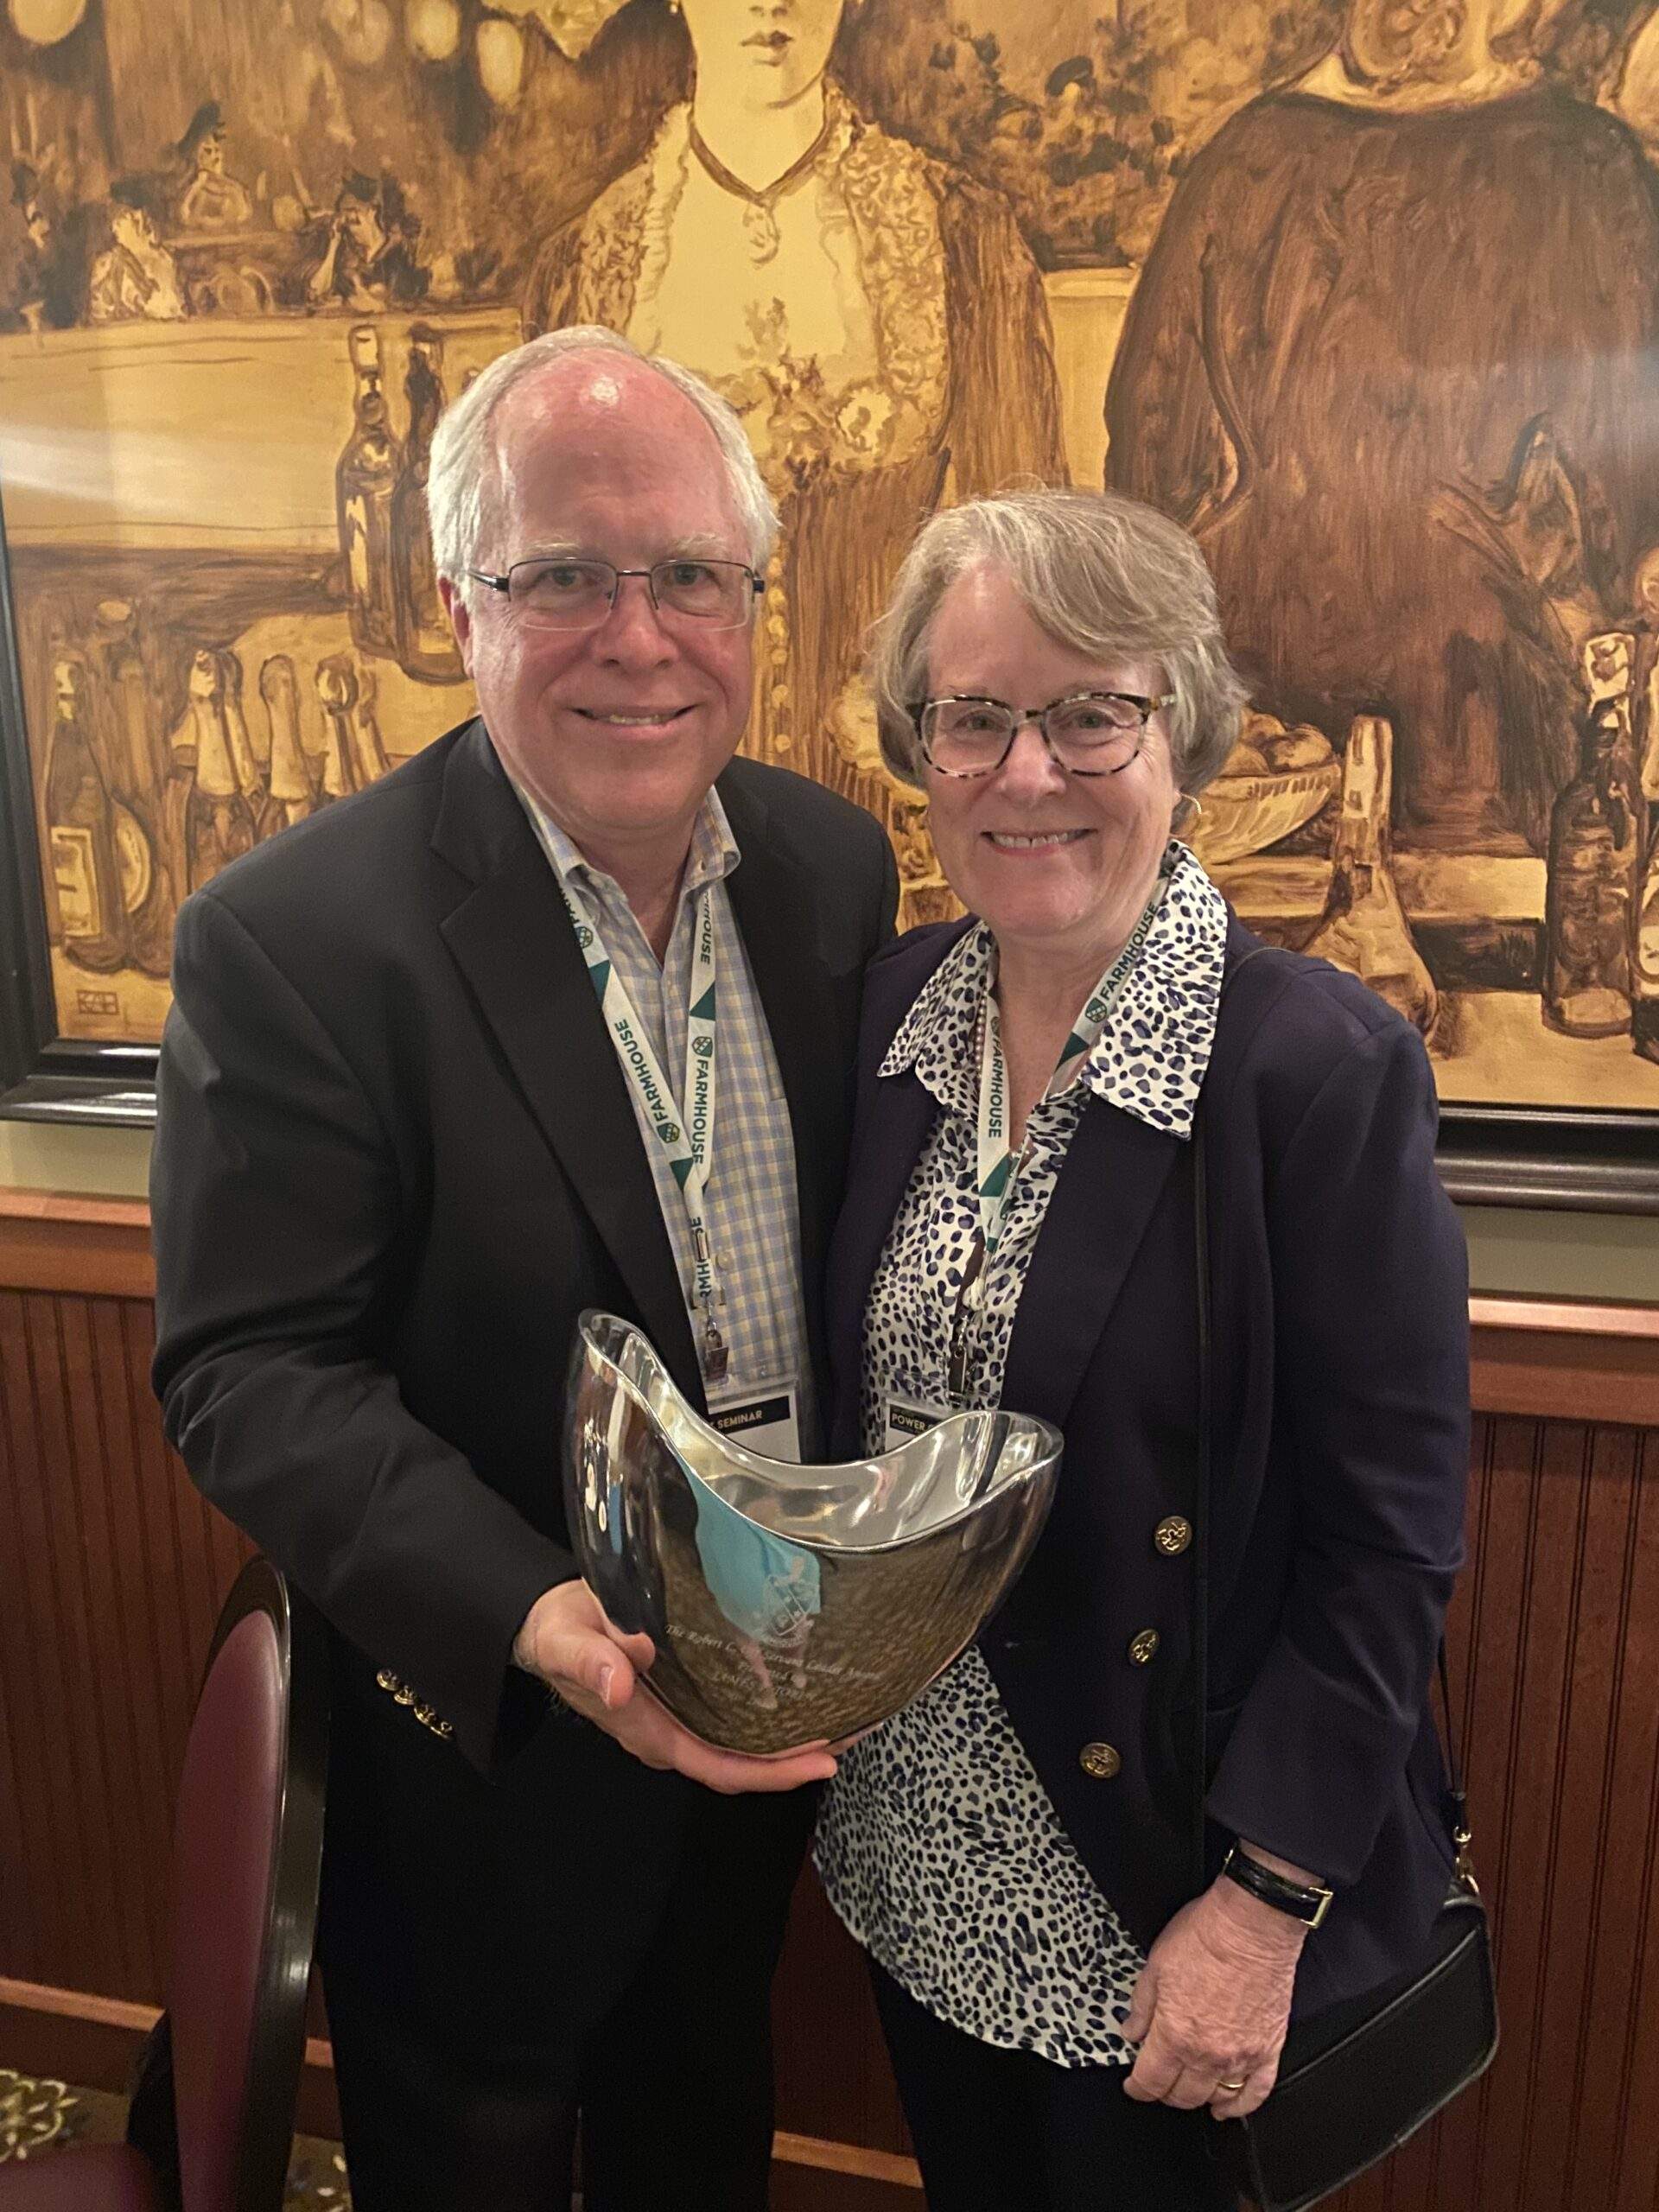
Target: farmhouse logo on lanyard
[[999, 1164], [688, 1146]]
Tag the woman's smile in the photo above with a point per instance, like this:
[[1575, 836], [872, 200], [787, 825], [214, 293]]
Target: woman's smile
[[1032, 840]]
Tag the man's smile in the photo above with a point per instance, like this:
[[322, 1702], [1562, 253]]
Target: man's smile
[[621, 718]]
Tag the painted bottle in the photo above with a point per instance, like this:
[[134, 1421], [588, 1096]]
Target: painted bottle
[[365, 482], [1594, 877], [81, 834], [426, 644], [1644, 951], [1364, 927], [293, 787], [336, 684], [135, 781], [1645, 1009]]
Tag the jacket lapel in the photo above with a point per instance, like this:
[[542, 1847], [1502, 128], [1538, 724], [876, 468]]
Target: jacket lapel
[[511, 939], [1109, 1184], [893, 1127], [780, 936]]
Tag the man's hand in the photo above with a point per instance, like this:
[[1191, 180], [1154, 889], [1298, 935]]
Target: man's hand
[[1213, 2003], [569, 1643]]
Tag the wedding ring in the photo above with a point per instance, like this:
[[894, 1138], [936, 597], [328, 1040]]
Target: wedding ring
[[1231, 2087]]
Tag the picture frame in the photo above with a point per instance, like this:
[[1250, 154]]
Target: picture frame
[[44, 1075], [1051, 169], [1585, 1161]]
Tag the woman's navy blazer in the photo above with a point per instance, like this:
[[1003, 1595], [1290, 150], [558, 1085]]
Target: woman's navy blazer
[[1340, 1447]]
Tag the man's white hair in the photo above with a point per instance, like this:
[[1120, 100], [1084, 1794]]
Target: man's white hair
[[461, 474]]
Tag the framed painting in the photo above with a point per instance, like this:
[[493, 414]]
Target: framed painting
[[1366, 297]]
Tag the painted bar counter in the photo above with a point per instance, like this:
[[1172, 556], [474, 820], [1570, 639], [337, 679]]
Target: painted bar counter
[[112, 1571]]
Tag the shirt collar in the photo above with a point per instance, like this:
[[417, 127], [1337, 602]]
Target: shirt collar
[[1162, 1024], [714, 851], [939, 1037], [1153, 1053]]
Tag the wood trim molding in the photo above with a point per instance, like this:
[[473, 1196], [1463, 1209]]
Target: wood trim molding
[[77, 2005], [1554, 1359], [113, 2012], [77, 2036], [125, 2024], [45, 1233], [1565, 1317], [845, 2158], [1537, 1356], [86, 1247]]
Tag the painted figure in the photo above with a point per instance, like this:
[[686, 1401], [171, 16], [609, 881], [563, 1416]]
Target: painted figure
[[364, 252], [1394, 359], [874, 315], [39, 291], [135, 275], [211, 200]]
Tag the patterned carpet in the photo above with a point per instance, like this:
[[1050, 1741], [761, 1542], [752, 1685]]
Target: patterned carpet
[[38, 2119]]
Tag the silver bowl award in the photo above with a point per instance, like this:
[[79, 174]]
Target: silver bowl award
[[789, 1604]]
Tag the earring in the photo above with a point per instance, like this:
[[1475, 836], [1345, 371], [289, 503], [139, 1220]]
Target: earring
[[1188, 810]]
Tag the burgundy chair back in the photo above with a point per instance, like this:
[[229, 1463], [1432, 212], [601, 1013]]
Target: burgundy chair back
[[247, 1847]]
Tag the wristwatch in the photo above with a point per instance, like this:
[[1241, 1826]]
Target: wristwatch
[[1306, 1901]]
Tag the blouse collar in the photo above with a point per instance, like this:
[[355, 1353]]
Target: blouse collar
[[1151, 1056]]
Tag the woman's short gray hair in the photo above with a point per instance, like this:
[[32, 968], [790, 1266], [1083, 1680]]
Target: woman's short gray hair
[[1104, 575], [462, 467]]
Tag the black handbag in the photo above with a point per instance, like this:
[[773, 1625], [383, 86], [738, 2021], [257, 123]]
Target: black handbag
[[1356, 2081]]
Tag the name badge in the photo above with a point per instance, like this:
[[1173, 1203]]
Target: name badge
[[907, 1420], [767, 1421]]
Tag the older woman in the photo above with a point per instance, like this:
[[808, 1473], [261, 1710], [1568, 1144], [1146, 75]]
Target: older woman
[[1051, 1920]]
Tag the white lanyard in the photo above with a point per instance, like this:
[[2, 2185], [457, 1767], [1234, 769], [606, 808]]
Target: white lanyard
[[999, 1165], [687, 1146]]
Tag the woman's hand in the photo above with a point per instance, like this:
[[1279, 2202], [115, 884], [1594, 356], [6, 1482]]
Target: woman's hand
[[1213, 2003]]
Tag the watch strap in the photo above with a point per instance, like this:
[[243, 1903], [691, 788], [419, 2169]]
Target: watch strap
[[1306, 1901]]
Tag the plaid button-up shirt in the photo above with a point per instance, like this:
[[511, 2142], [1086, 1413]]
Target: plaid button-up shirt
[[753, 1215]]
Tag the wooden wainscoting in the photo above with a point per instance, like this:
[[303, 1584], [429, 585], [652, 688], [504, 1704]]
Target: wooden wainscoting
[[112, 1569]]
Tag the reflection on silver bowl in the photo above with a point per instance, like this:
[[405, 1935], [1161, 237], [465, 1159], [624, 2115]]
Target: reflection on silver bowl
[[789, 1604]]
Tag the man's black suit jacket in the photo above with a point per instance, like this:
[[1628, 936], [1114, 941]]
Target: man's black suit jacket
[[395, 1158]]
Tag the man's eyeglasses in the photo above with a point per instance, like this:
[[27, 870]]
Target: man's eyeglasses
[[1087, 732], [552, 594]]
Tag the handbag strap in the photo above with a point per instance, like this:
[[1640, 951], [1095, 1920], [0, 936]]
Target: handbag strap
[[1201, 1507], [1456, 1796]]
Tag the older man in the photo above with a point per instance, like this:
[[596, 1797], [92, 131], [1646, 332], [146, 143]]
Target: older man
[[397, 1154]]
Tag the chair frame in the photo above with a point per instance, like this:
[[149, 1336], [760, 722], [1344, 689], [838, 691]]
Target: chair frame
[[276, 2050]]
